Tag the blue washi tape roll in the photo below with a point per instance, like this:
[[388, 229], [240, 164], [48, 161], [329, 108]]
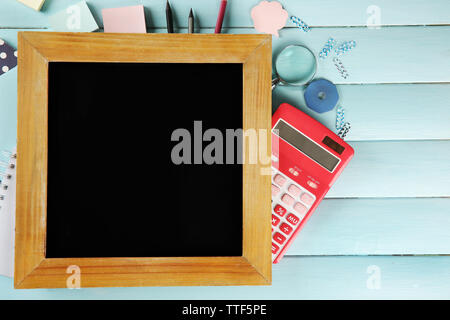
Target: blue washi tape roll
[[321, 95]]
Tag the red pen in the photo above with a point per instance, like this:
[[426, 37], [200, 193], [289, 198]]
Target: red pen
[[223, 6]]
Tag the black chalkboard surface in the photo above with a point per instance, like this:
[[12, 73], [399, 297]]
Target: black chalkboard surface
[[113, 190]]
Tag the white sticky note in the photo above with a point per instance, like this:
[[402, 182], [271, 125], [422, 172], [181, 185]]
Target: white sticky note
[[75, 18], [34, 4]]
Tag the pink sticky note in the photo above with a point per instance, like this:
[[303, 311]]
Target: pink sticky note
[[269, 17], [124, 20]]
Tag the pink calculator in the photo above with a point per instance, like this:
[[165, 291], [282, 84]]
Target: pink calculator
[[307, 158]]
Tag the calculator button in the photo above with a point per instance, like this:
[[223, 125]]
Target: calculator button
[[312, 184], [275, 190], [279, 180], [294, 190], [275, 220], [287, 229], [275, 248], [300, 208], [292, 219], [279, 210], [287, 199], [306, 198], [278, 237], [293, 171]]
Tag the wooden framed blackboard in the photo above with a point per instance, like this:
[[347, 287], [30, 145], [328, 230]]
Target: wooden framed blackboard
[[121, 177]]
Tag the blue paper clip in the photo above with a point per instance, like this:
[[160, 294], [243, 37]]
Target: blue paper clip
[[341, 126], [327, 48], [340, 116], [345, 46], [300, 23]]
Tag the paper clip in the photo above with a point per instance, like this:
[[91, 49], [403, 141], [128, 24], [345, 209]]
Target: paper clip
[[327, 48], [342, 126], [300, 23], [345, 46], [344, 130], [340, 67], [340, 116]]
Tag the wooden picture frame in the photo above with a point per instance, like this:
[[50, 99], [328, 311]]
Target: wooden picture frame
[[36, 50]]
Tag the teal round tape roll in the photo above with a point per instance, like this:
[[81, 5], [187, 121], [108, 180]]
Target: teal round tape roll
[[321, 95]]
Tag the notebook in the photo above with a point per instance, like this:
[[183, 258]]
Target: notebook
[[7, 211]]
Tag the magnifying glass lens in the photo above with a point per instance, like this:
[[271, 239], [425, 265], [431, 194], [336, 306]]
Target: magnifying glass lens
[[296, 65]]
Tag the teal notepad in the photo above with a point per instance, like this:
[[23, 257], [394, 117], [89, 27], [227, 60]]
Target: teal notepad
[[75, 18]]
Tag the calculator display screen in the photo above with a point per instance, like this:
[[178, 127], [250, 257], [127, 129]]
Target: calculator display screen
[[305, 145]]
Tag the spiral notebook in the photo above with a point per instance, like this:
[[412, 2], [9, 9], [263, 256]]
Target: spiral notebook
[[7, 211]]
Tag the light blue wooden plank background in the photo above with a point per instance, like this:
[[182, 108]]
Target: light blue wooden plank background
[[384, 112], [8, 101], [376, 227], [315, 13], [396, 169], [394, 197], [422, 52], [295, 278]]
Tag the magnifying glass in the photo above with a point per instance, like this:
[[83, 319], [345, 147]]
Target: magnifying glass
[[295, 65]]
